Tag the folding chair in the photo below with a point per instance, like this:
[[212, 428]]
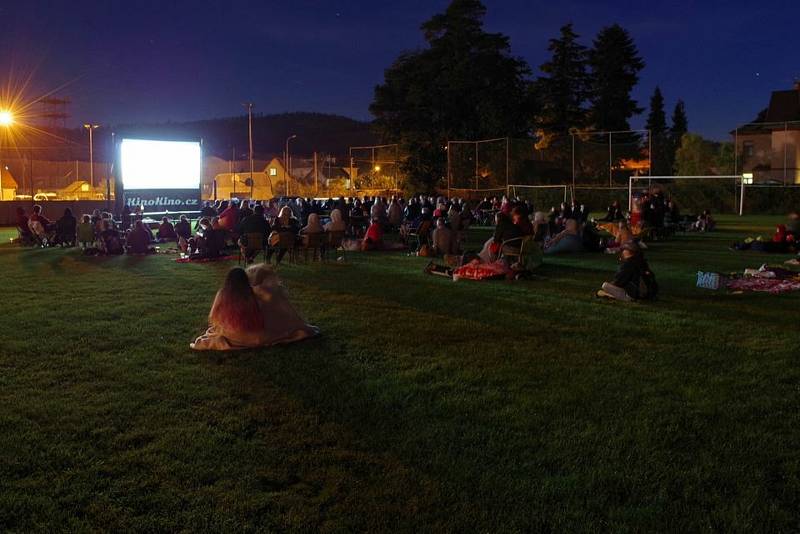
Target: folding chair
[[254, 243], [521, 251], [333, 242], [25, 237], [286, 242], [422, 233], [312, 242]]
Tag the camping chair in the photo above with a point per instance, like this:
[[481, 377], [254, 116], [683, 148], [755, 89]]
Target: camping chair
[[314, 243], [253, 244], [25, 237], [86, 236], [334, 242], [286, 242], [40, 236], [422, 233], [523, 251]]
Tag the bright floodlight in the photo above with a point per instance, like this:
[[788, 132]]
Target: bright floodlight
[[6, 118], [160, 164]]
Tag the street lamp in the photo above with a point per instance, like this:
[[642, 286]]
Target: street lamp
[[286, 164], [91, 128], [6, 121]]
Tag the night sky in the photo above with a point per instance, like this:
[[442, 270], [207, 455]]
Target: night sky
[[172, 60]]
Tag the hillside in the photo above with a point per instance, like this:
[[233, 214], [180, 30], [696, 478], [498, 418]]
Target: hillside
[[319, 132]]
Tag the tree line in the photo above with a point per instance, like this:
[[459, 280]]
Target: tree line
[[466, 84]]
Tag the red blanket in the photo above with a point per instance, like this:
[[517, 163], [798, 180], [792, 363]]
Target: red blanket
[[475, 270], [767, 285]]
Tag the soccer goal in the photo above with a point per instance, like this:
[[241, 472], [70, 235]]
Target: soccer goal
[[543, 197], [720, 194]]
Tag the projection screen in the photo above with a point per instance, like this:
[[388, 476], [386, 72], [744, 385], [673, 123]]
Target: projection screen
[[161, 175]]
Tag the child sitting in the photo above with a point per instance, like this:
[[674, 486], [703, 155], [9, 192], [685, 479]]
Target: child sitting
[[86, 235], [634, 280]]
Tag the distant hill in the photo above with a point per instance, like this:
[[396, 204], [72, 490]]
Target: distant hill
[[319, 132], [315, 132]]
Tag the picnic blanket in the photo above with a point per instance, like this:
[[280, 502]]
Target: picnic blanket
[[206, 260], [476, 270], [766, 285], [766, 279]]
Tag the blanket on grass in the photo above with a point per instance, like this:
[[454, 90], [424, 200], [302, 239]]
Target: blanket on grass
[[206, 260]]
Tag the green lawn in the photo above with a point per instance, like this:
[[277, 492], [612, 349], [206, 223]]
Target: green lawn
[[427, 404]]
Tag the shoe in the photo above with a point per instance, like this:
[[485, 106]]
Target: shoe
[[603, 295]]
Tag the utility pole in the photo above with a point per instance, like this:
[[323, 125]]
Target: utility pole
[[91, 128], [249, 106], [286, 164]]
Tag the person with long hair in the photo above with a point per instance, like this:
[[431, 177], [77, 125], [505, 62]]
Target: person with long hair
[[252, 310]]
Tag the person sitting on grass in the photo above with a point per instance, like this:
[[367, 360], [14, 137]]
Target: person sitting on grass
[[252, 310], [504, 230], [184, 228], [614, 213], [443, 239], [110, 241], [567, 241], [793, 226], [66, 229], [85, 231], [373, 238], [139, 240], [541, 227], [705, 222], [40, 225], [634, 279], [166, 231]]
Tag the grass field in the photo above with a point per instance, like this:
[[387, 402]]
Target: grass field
[[427, 404]]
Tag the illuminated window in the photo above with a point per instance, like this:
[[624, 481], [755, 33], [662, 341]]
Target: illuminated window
[[273, 171]]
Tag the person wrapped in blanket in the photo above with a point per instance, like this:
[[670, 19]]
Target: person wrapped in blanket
[[634, 280], [252, 310], [783, 241], [567, 241]]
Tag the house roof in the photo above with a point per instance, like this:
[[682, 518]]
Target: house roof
[[784, 107], [7, 179]]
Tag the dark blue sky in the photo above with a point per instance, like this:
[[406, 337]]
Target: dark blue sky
[[142, 60]]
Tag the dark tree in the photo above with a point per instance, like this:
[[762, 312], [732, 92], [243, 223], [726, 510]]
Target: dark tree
[[661, 156], [464, 85], [562, 92], [680, 126], [614, 66]]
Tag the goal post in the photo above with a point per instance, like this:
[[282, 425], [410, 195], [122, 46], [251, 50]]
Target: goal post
[[540, 195], [723, 194]]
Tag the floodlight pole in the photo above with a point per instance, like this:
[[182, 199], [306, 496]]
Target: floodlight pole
[[572, 135], [447, 149], [249, 106], [610, 165], [287, 165], [91, 128]]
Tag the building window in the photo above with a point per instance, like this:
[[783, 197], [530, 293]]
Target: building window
[[273, 171], [748, 149]]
